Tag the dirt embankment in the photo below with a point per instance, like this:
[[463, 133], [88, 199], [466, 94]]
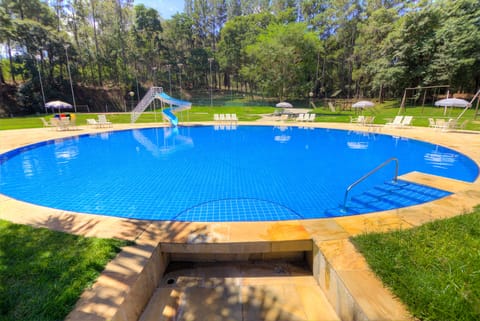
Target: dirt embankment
[[96, 98]]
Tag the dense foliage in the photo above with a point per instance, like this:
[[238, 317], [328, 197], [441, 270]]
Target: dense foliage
[[281, 48]]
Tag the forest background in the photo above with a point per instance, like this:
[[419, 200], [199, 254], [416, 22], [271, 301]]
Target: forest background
[[114, 50]]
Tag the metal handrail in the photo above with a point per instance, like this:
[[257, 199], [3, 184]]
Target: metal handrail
[[373, 171]]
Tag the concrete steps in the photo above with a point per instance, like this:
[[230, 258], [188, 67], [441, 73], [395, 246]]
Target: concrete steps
[[275, 290]]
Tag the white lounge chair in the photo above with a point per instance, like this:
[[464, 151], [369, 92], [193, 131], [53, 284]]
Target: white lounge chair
[[234, 118], [216, 117], [61, 123], [222, 117], [431, 123], [300, 117], [92, 122], [312, 117], [440, 123], [103, 122], [397, 122], [228, 118], [47, 123], [407, 121], [450, 124], [368, 120], [56, 123], [358, 120]]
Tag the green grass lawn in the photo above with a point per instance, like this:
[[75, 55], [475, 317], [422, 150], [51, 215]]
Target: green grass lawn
[[434, 269], [383, 113], [44, 272], [386, 112]]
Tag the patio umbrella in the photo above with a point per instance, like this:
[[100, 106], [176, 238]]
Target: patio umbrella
[[363, 104], [284, 104], [58, 104], [451, 102]]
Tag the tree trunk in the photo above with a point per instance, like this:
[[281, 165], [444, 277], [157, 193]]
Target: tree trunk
[[10, 59], [97, 56], [2, 80], [380, 94], [122, 41]]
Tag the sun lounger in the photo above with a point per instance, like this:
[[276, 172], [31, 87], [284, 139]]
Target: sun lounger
[[368, 121], [449, 125], [103, 122], [216, 117], [92, 122], [406, 122], [311, 117], [397, 122], [300, 117], [234, 118], [61, 123], [440, 123], [47, 123], [431, 123], [452, 123], [358, 120]]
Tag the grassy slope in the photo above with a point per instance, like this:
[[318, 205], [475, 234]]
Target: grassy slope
[[43, 272], [434, 268]]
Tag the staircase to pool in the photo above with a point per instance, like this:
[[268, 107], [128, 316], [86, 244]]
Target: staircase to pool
[[387, 196]]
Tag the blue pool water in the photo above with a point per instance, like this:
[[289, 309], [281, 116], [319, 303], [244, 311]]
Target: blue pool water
[[245, 173]]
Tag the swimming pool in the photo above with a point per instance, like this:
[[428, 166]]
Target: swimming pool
[[245, 173]]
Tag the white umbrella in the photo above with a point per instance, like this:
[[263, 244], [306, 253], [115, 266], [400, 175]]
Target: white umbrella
[[58, 104], [451, 102], [284, 104], [363, 104]]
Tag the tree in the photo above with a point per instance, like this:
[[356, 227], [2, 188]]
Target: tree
[[235, 36], [283, 60], [455, 59], [370, 56], [6, 31], [147, 39], [414, 40]]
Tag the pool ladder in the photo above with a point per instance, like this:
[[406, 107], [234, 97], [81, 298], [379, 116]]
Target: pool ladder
[[373, 171]]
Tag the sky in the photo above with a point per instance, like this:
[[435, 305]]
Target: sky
[[166, 8]]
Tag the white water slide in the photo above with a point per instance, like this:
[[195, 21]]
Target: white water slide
[[153, 93]]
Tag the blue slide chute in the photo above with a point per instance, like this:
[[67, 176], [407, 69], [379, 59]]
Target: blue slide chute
[[175, 106]]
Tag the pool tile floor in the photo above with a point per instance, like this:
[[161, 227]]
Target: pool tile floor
[[331, 235]]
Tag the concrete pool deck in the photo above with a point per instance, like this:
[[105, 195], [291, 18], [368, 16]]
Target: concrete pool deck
[[348, 285]]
